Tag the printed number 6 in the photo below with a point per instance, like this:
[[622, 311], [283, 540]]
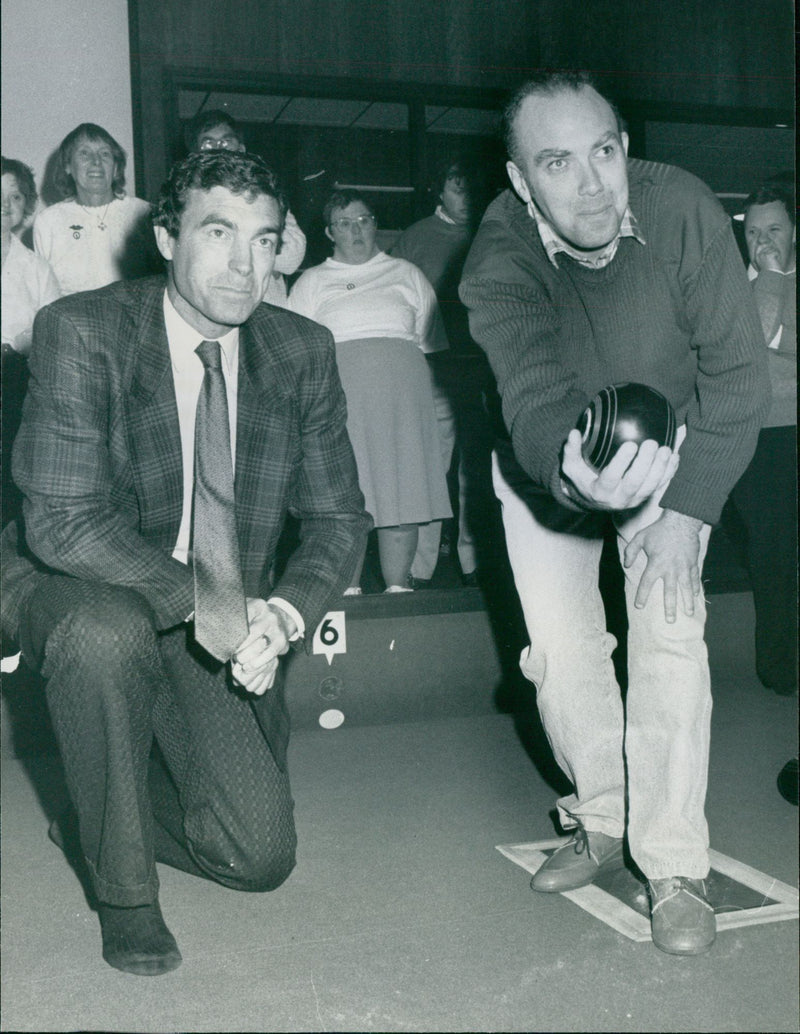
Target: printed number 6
[[328, 634]]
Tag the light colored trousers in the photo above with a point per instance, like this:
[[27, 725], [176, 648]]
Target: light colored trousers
[[651, 754]]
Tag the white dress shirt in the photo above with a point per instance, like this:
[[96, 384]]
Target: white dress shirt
[[187, 374]]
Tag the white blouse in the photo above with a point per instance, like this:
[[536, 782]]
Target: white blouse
[[383, 297], [28, 283]]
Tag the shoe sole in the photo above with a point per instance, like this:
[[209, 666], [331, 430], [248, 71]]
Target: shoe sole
[[146, 965], [703, 950]]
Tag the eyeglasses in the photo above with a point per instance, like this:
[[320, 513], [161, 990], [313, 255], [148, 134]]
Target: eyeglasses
[[346, 224], [224, 143]]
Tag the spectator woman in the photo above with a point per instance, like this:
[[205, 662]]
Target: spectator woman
[[27, 284], [96, 234], [383, 315]]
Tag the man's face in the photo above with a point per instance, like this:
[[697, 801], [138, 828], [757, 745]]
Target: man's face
[[222, 258], [353, 231], [455, 200], [92, 166], [573, 164], [219, 138], [770, 237]]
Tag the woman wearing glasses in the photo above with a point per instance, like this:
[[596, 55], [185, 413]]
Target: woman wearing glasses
[[384, 318]]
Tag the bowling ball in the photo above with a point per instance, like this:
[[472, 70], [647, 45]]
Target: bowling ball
[[624, 413]]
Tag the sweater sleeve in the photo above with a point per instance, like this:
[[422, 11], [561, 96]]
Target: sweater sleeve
[[513, 319], [732, 387]]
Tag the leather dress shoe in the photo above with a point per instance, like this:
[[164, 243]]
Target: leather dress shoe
[[579, 862], [681, 918]]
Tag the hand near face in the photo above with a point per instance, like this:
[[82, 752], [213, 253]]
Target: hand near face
[[767, 257], [770, 237]]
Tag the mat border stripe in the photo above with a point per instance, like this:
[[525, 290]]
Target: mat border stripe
[[631, 924]]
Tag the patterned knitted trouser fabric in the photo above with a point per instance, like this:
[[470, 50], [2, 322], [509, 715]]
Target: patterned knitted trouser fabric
[[223, 811]]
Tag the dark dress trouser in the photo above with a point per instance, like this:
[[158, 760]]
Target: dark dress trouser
[[114, 684], [766, 500]]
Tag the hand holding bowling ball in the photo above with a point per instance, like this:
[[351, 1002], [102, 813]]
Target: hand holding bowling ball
[[624, 413]]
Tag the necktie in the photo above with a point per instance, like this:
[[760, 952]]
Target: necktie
[[220, 612]]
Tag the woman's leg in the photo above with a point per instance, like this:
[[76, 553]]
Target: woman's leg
[[355, 581], [396, 548]]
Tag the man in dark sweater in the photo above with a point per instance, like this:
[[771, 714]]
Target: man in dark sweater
[[438, 245], [598, 270]]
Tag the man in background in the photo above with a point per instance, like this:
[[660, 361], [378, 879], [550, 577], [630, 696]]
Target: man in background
[[217, 130], [766, 495], [438, 245]]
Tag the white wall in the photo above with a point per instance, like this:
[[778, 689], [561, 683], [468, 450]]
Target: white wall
[[63, 62]]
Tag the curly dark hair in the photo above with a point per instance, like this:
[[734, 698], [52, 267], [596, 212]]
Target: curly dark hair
[[25, 182], [237, 171], [546, 84], [63, 181]]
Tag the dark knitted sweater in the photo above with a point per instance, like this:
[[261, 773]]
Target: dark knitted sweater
[[439, 249], [676, 313]]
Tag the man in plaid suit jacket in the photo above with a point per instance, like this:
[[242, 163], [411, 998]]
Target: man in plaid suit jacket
[[101, 458]]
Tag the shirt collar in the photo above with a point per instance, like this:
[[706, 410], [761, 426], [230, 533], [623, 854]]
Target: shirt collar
[[183, 340], [553, 243], [752, 272]]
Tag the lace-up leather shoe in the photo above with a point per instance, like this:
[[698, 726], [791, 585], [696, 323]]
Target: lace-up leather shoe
[[682, 920], [579, 862]]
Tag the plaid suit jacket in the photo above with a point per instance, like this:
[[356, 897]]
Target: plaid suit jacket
[[98, 455]]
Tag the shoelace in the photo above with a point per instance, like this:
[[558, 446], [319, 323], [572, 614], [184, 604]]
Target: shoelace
[[676, 885], [580, 839]]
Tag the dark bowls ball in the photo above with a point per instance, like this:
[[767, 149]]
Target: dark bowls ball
[[624, 413]]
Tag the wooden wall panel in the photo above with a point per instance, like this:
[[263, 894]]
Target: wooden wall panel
[[734, 53]]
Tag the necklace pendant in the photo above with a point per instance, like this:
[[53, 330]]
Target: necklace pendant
[[101, 226]]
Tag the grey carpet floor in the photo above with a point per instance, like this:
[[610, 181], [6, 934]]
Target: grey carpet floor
[[401, 915]]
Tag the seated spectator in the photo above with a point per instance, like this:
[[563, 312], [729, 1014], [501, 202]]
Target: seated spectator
[[28, 284], [28, 281], [766, 495], [438, 245], [97, 234], [383, 315], [217, 130]]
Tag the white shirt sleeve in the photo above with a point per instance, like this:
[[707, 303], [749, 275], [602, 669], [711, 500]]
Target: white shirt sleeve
[[293, 247], [430, 326], [302, 295], [293, 613]]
